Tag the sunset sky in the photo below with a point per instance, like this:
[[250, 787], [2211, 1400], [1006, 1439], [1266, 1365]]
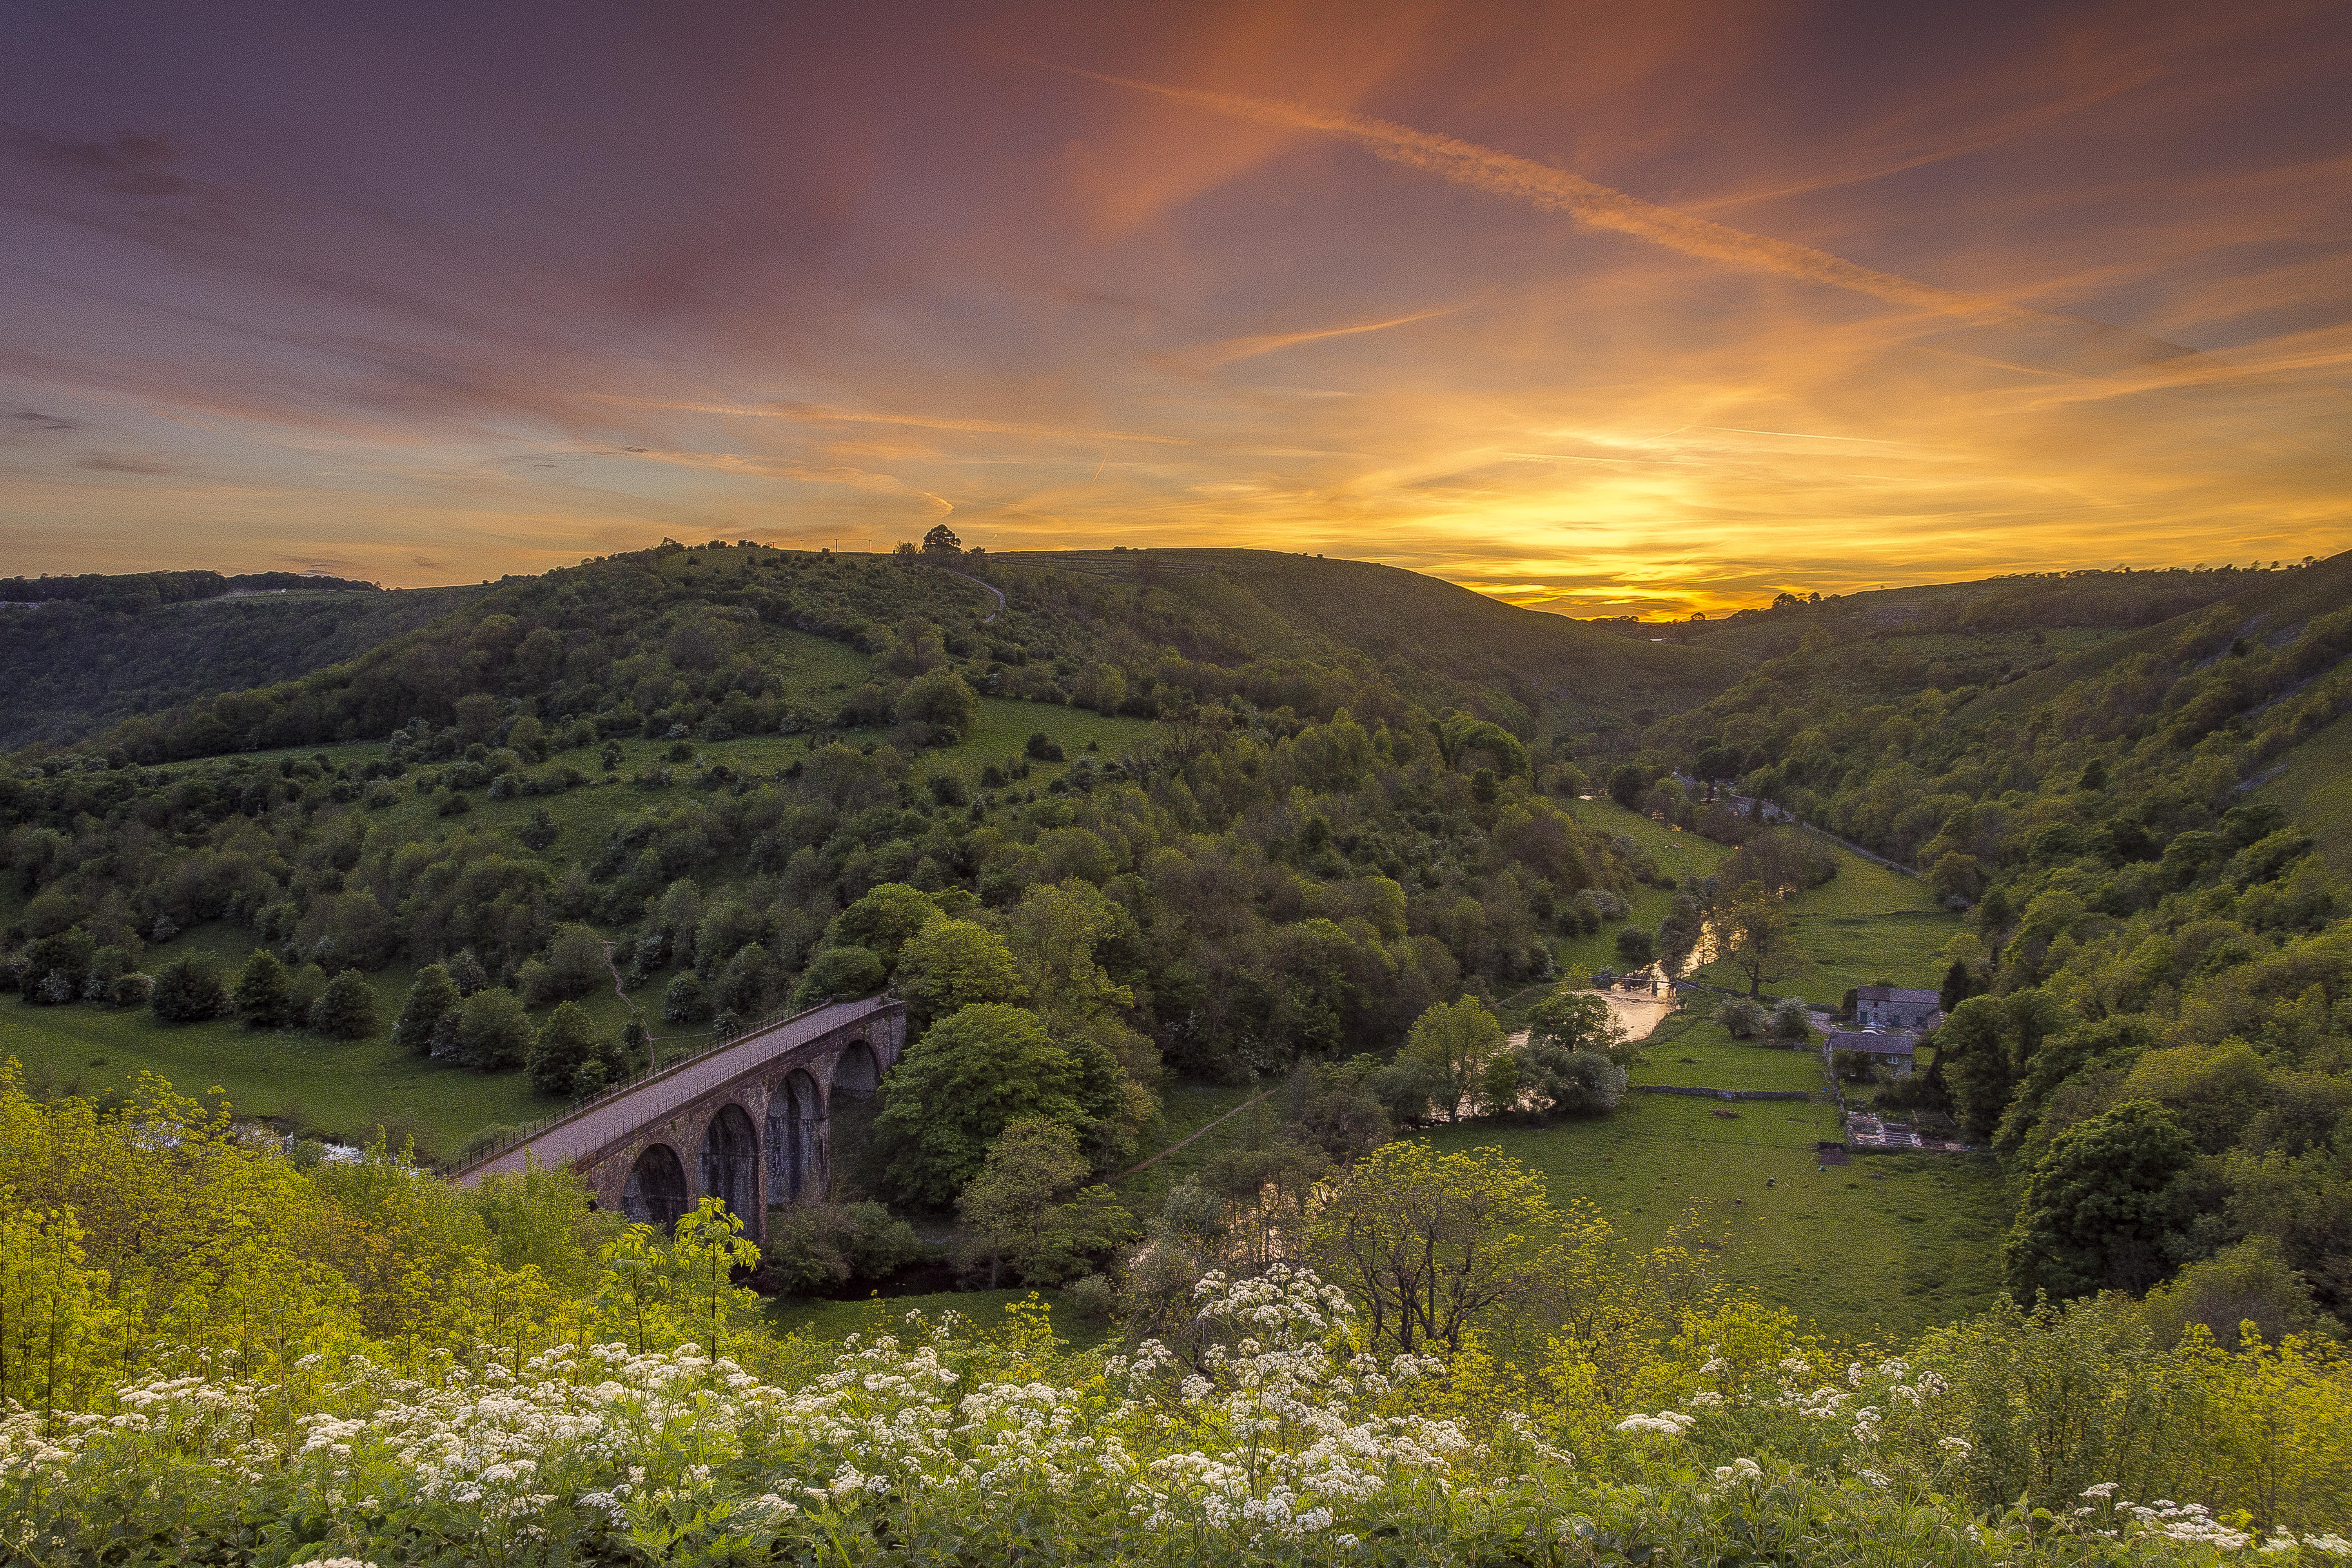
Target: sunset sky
[[1603, 308]]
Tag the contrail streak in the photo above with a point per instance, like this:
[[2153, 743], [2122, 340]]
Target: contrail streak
[[1234, 349], [813, 414], [1556, 190]]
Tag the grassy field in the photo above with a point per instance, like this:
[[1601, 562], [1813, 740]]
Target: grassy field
[[1865, 924], [1886, 1246], [1706, 1058]]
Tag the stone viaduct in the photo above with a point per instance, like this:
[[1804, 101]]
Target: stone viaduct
[[750, 1121]]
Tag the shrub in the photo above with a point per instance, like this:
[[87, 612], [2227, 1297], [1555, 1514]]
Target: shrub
[[687, 1000], [494, 1033], [188, 991], [839, 975], [345, 1010], [264, 999], [1741, 1017], [565, 1044], [1791, 1020]]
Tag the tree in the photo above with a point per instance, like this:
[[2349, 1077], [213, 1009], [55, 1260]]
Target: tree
[[1456, 1039], [1634, 948], [1974, 1060], [883, 921], [431, 997], [941, 698], [565, 1044], [1577, 1021], [686, 999], [1572, 1083], [1427, 1241], [264, 999], [1055, 931], [1763, 942], [2104, 1208], [1025, 1211], [839, 974], [1628, 782], [941, 540], [975, 1073], [1959, 984], [494, 1033], [1791, 1020], [188, 991], [345, 1010], [951, 963]]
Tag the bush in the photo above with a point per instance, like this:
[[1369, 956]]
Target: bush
[[1744, 1019], [1635, 949], [494, 1033], [188, 991], [812, 1246], [131, 990], [264, 998], [687, 1000], [566, 1042], [839, 975], [1791, 1020], [345, 1010]]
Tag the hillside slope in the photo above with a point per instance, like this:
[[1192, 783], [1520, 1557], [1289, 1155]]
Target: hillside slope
[[77, 665], [1431, 637]]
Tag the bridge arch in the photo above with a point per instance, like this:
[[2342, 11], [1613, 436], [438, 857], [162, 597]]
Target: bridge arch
[[795, 1131], [857, 1071], [730, 1164], [655, 1193]]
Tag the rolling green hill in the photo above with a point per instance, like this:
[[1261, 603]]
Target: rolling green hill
[[1432, 636], [76, 666]]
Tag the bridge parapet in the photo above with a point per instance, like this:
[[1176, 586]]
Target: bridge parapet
[[750, 1121]]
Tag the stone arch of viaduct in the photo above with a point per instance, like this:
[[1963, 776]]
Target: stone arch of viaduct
[[751, 1123]]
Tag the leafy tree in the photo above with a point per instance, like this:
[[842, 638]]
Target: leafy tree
[[839, 975], [1056, 932], [1635, 949], [941, 697], [1408, 1088], [1628, 782], [971, 1075], [264, 1000], [686, 999], [1791, 1020], [882, 921], [345, 1010], [1763, 941], [466, 972], [951, 963], [1577, 1021], [1026, 1209], [1457, 1039], [1427, 1241], [941, 540], [540, 831], [494, 1033], [188, 991], [565, 1044], [432, 996], [2104, 1208]]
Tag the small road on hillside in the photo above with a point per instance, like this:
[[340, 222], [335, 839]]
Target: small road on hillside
[[990, 587]]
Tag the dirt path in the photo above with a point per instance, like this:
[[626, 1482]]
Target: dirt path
[[990, 587], [1228, 1116]]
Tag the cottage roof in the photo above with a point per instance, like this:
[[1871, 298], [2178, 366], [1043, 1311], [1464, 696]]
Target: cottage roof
[[1870, 1042], [1898, 997]]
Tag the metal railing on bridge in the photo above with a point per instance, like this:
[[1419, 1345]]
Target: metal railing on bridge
[[720, 1041]]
